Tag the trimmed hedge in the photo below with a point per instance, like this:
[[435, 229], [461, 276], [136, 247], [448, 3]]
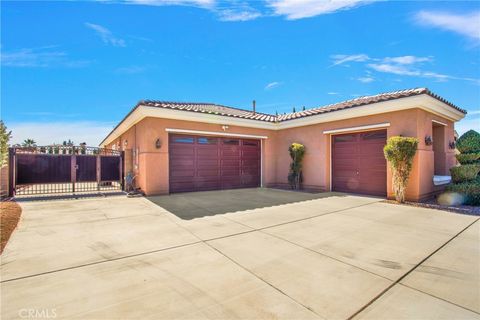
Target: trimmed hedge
[[468, 158], [470, 190], [464, 172], [469, 142]]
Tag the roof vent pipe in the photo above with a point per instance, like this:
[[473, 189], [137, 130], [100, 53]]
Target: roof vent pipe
[[253, 104]]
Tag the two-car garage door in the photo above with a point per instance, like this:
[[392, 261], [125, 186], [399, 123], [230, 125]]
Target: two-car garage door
[[199, 163], [358, 163]]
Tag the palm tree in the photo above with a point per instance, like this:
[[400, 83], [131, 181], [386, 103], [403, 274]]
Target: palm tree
[[28, 143]]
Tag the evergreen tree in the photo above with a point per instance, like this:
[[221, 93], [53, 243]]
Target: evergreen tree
[[4, 139]]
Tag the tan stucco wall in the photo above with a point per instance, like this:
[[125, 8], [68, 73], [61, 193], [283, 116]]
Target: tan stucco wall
[[152, 171], [317, 158]]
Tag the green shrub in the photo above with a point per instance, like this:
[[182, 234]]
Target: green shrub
[[470, 190], [469, 142], [468, 158], [297, 151], [464, 172], [400, 151]]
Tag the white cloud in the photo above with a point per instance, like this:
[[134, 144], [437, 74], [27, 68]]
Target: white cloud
[[407, 59], [199, 3], [339, 59], [45, 133], [332, 93], [467, 25], [298, 9], [231, 10], [408, 71], [407, 65], [238, 15], [474, 112], [106, 35], [39, 57], [366, 79], [392, 68], [272, 85]]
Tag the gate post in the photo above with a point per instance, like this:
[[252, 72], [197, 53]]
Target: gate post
[[11, 171], [73, 164], [122, 169]]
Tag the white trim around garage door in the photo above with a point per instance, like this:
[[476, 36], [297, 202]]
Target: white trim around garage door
[[360, 128], [440, 123], [215, 133], [346, 130]]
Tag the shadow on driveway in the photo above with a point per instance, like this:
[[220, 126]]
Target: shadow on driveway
[[193, 205]]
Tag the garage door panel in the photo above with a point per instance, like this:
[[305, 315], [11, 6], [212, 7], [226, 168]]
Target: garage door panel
[[182, 150], [358, 164], [229, 154], [183, 173], [181, 162], [210, 163], [208, 153], [372, 162], [346, 173], [251, 171], [231, 183], [345, 162], [230, 162], [250, 162], [202, 163], [206, 186], [182, 186], [372, 149], [344, 151], [228, 173], [207, 173]]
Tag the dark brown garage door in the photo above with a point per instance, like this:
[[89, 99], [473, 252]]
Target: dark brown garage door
[[358, 164], [200, 163]]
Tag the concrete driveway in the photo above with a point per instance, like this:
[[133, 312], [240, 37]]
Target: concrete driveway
[[332, 256]]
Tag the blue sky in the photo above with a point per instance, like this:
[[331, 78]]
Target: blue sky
[[74, 69]]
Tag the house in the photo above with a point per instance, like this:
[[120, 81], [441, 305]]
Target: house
[[177, 147]]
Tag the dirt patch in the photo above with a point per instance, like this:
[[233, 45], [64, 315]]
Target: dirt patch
[[10, 214]]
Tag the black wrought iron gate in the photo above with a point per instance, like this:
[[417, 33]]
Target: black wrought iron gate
[[64, 170]]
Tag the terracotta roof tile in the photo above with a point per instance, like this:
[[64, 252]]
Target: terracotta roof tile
[[216, 109]]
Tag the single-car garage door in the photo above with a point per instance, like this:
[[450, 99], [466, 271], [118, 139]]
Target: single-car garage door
[[358, 164], [199, 163]]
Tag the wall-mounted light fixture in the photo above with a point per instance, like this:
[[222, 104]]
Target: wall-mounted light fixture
[[224, 127], [125, 143], [428, 140], [452, 145], [158, 143]]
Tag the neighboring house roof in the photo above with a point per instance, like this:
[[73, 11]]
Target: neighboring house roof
[[270, 119], [216, 109]]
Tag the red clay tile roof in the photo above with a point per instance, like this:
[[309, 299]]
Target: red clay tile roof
[[216, 109], [210, 108]]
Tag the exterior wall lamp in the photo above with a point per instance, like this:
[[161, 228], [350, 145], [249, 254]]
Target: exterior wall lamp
[[428, 140], [158, 144], [452, 145], [224, 127]]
